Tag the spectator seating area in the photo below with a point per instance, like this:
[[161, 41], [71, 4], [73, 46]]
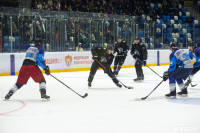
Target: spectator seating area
[[181, 28], [160, 22]]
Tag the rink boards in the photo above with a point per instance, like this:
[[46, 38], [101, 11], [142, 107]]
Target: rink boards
[[73, 61]]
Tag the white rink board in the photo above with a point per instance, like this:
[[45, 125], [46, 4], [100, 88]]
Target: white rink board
[[70, 60]]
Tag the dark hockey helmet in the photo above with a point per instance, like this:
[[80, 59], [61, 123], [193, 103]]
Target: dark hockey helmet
[[38, 42], [193, 44], [110, 47], [173, 45], [137, 38], [120, 37]]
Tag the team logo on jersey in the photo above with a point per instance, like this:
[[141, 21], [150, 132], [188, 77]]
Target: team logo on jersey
[[68, 60]]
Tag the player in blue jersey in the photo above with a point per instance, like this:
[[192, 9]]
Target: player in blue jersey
[[179, 69], [34, 58], [194, 52]]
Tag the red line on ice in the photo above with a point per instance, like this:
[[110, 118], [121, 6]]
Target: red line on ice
[[15, 110]]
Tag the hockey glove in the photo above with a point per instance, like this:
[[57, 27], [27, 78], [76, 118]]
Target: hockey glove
[[165, 75], [125, 53], [135, 56], [47, 71], [144, 62]]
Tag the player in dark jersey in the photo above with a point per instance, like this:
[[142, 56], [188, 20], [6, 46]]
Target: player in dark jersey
[[105, 57], [139, 51], [34, 58], [121, 49]]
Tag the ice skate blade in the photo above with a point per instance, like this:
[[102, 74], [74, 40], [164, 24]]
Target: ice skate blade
[[171, 97], [45, 100], [183, 95], [138, 81], [6, 100]]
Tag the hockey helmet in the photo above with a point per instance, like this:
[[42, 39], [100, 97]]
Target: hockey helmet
[[173, 45], [137, 38], [120, 37], [38, 42], [193, 44]]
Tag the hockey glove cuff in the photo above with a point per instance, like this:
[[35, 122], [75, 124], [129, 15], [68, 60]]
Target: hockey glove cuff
[[47, 71]]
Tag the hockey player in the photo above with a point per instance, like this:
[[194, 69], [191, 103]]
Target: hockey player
[[139, 51], [34, 57], [105, 57], [179, 69], [194, 52], [121, 49]]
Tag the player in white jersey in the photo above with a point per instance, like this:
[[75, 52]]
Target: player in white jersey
[[34, 57], [180, 68]]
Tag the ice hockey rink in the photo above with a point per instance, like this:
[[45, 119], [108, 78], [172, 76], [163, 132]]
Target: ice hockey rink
[[107, 109]]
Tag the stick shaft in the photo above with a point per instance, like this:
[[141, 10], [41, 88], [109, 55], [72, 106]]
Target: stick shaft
[[149, 68], [152, 90], [65, 85]]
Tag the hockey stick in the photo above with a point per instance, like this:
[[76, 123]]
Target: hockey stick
[[138, 99], [129, 87], [118, 55], [70, 88], [149, 68], [191, 83]]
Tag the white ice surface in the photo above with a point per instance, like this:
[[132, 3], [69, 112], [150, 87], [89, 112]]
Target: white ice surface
[[107, 109]]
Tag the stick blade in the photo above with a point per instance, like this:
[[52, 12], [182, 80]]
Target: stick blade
[[193, 85], [140, 99], [129, 87], [85, 95]]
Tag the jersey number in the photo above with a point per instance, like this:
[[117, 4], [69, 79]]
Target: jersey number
[[186, 56], [29, 55]]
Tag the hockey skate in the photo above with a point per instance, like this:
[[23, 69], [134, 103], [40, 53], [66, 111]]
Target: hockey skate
[[7, 97], [183, 93], [171, 95], [89, 84], [138, 79], [44, 96], [118, 85]]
